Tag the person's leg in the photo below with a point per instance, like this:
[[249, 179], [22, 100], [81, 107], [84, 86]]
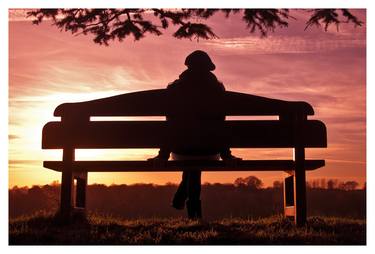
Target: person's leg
[[181, 194], [194, 192], [194, 184]]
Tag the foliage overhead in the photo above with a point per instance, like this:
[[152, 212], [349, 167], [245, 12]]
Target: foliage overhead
[[111, 24]]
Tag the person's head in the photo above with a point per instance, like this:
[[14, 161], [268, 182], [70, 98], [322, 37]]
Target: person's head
[[199, 60]]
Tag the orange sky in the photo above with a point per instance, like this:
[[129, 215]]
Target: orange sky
[[327, 69]]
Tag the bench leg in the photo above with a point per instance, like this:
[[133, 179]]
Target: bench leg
[[295, 190], [81, 190], [288, 189], [66, 198], [67, 185], [300, 187]]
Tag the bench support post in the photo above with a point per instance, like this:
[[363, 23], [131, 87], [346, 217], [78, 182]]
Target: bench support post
[[81, 189], [288, 189], [300, 187], [295, 190], [295, 183], [67, 184], [299, 172]]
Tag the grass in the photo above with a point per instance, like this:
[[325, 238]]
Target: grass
[[44, 229]]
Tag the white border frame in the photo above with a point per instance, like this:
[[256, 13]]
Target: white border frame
[[6, 4]]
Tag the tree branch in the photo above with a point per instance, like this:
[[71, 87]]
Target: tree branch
[[106, 24]]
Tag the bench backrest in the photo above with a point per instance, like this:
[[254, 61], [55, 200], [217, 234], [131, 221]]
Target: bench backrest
[[158, 103], [77, 131]]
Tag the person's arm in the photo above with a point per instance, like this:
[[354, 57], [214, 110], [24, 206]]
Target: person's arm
[[229, 159], [163, 154], [226, 154], [161, 159]]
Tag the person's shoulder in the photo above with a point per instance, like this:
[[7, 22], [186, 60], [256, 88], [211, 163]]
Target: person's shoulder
[[217, 82], [221, 85], [183, 77], [174, 84]]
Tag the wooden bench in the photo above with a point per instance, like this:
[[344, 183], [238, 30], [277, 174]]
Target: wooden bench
[[291, 129]]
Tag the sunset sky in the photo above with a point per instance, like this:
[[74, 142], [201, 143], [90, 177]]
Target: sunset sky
[[327, 69]]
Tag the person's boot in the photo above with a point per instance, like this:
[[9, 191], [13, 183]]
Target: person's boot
[[198, 211], [180, 196], [194, 209], [179, 199], [178, 202], [190, 209]]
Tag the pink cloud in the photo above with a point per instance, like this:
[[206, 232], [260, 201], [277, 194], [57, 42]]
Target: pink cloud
[[326, 69]]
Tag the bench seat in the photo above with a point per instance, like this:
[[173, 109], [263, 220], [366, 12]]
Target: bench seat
[[173, 166]]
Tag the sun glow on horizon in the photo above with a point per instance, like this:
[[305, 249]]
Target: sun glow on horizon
[[48, 67]]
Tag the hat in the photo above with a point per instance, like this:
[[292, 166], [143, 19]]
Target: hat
[[199, 60]]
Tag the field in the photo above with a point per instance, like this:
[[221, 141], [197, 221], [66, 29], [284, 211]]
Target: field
[[45, 229]]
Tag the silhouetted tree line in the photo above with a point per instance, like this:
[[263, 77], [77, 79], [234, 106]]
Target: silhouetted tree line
[[244, 198], [253, 182], [332, 184]]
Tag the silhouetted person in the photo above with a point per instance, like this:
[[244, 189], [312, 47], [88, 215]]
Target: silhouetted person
[[193, 93]]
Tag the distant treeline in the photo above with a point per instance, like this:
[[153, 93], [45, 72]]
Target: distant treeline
[[241, 199]]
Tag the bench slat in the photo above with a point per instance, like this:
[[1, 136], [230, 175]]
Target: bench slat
[[154, 134], [174, 166]]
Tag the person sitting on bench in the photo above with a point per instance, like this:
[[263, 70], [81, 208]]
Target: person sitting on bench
[[194, 91]]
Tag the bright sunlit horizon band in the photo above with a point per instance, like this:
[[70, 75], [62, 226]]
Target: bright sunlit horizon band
[[53, 67]]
